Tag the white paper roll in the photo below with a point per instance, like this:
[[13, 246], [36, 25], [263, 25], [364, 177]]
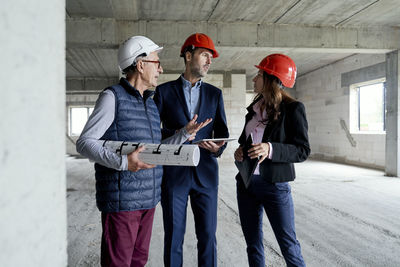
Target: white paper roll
[[158, 154]]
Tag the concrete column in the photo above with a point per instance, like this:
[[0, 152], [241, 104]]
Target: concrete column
[[234, 93], [392, 165], [33, 212]]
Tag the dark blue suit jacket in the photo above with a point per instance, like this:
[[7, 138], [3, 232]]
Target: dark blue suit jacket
[[174, 114]]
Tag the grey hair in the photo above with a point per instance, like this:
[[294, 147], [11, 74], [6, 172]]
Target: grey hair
[[132, 68]]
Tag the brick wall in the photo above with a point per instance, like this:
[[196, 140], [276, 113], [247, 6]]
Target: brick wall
[[326, 98]]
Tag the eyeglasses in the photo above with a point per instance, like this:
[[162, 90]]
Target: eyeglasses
[[153, 61]]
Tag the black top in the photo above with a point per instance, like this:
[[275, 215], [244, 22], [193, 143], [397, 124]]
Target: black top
[[289, 138]]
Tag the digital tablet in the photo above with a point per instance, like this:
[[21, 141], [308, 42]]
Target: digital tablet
[[215, 140]]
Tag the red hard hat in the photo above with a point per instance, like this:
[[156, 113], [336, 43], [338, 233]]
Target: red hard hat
[[280, 66], [199, 40]]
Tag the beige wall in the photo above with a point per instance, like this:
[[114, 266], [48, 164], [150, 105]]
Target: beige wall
[[326, 97]]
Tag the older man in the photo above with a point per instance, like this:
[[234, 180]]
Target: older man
[[128, 189]]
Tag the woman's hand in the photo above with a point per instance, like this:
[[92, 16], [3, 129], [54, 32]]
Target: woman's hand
[[239, 154], [260, 151]]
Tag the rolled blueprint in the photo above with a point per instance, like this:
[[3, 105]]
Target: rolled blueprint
[[158, 154]]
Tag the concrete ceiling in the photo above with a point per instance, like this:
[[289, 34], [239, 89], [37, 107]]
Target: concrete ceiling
[[313, 32]]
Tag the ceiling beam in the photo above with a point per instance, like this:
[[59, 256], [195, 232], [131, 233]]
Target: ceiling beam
[[109, 33]]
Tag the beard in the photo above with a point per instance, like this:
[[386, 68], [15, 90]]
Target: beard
[[197, 71]]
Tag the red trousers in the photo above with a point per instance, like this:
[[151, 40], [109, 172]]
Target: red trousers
[[126, 238]]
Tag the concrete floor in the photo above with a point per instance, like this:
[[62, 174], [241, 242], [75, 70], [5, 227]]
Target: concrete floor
[[345, 216]]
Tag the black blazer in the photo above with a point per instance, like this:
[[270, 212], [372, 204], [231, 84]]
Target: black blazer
[[289, 139], [174, 113]]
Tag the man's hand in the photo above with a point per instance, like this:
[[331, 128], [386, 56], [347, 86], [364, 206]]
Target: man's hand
[[193, 126], [135, 164], [260, 151], [211, 146], [239, 154]]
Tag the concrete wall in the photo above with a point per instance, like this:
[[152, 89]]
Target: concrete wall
[[325, 93], [82, 92], [76, 100], [33, 225], [233, 85]]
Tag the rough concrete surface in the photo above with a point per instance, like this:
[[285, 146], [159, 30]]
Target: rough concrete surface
[[345, 216]]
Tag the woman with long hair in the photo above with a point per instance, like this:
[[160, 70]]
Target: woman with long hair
[[277, 124]]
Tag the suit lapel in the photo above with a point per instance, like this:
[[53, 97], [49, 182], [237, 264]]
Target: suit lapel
[[202, 102], [180, 95]]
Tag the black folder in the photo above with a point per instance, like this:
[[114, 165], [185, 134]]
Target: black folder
[[247, 166]]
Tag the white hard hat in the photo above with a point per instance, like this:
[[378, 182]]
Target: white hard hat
[[134, 47]]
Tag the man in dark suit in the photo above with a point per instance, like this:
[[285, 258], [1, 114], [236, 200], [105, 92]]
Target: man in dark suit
[[178, 102]]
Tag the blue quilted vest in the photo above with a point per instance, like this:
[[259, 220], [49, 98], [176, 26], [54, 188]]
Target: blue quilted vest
[[136, 120]]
